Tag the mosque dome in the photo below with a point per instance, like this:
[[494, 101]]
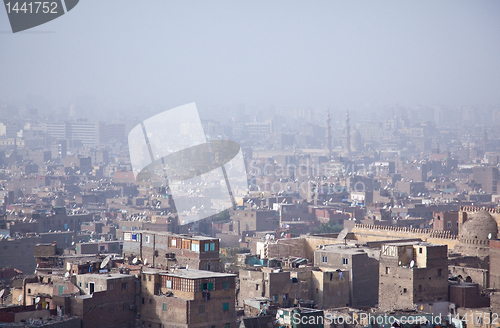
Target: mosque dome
[[479, 229]]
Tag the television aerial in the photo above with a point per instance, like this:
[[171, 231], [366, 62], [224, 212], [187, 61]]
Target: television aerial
[[134, 261], [105, 262], [412, 264]]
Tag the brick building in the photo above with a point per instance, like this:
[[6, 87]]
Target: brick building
[[412, 273], [165, 250], [494, 264], [362, 262], [187, 298], [446, 221], [109, 300]]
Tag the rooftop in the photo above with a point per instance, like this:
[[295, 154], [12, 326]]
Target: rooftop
[[189, 273], [166, 234]]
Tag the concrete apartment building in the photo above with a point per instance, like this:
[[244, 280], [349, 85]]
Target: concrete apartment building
[[187, 298], [362, 264], [412, 273], [166, 250], [286, 288]]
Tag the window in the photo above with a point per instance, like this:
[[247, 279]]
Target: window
[[225, 306], [174, 242], [449, 224], [201, 309], [142, 301], [225, 285], [149, 278], [212, 246], [195, 248], [227, 325], [440, 272], [147, 239], [419, 287], [420, 250], [256, 286], [124, 285], [164, 306], [387, 270], [345, 261], [111, 286], [324, 259], [169, 283], [207, 286], [144, 277], [29, 289], [404, 290], [101, 248], [207, 247]]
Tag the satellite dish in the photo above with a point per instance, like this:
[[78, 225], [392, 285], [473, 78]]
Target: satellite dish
[[66, 275], [342, 234], [187, 267], [2, 292], [37, 300], [72, 243], [412, 264], [20, 298], [490, 235], [106, 261], [145, 261], [134, 261]]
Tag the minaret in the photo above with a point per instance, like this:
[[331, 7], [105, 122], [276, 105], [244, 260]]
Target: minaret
[[347, 148], [328, 135]]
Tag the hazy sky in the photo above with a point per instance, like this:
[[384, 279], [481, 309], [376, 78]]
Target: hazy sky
[[353, 54]]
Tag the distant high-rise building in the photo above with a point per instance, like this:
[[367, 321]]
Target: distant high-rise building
[[347, 149], [328, 135]]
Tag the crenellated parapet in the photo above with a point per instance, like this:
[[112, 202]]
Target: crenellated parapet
[[423, 233]]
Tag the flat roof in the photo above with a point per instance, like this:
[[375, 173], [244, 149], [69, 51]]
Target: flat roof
[[189, 273], [107, 276], [173, 235]]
